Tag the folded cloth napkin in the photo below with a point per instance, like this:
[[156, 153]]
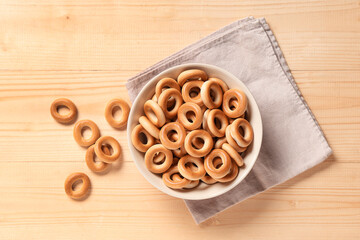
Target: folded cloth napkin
[[292, 142]]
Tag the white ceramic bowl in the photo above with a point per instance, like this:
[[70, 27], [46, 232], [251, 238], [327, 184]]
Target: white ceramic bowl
[[203, 191]]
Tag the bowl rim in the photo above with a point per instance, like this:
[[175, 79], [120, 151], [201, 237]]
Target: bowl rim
[[192, 66]]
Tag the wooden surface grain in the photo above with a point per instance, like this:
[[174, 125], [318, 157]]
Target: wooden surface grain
[[87, 49]]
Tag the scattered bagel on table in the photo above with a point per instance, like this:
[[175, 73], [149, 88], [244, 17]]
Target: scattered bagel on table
[[194, 129], [106, 148]]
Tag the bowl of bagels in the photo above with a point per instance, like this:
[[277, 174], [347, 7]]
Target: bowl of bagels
[[194, 131]]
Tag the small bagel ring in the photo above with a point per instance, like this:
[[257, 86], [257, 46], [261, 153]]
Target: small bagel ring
[[149, 159], [63, 102], [242, 141], [188, 108], [154, 113], [192, 184], [125, 109], [195, 173], [165, 83], [164, 135], [164, 99], [198, 143], [218, 144], [221, 83], [212, 116], [159, 158], [223, 170], [231, 140], [234, 170], [174, 184], [240, 108], [135, 138], [114, 145], [208, 179], [188, 88], [77, 132], [99, 166], [149, 127], [233, 154], [208, 143], [206, 95], [71, 179], [191, 74]]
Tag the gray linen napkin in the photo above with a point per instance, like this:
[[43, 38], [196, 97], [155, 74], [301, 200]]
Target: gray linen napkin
[[292, 142]]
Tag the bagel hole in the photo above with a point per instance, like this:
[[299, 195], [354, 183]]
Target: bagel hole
[[171, 103], [110, 149], [77, 185], [116, 113], [173, 136], [194, 92], [217, 123], [217, 162], [86, 132], [190, 116], [191, 166], [143, 139], [173, 175], [212, 95], [159, 158], [199, 143], [63, 110], [241, 130], [233, 103]]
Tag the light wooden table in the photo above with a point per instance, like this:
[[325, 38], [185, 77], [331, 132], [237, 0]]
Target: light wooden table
[[87, 49]]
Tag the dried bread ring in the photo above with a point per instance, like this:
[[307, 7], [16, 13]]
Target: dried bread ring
[[205, 136], [140, 144], [113, 144], [98, 166], [241, 100], [167, 129], [149, 159], [164, 99], [191, 92], [213, 115], [223, 170], [211, 94], [221, 83], [233, 154], [71, 180], [191, 74], [125, 109], [149, 127], [63, 102], [192, 173], [165, 83], [154, 113], [168, 181], [184, 110], [78, 129], [231, 140], [247, 138]]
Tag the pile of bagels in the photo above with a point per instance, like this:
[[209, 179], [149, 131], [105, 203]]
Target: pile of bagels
[[194, 129]]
